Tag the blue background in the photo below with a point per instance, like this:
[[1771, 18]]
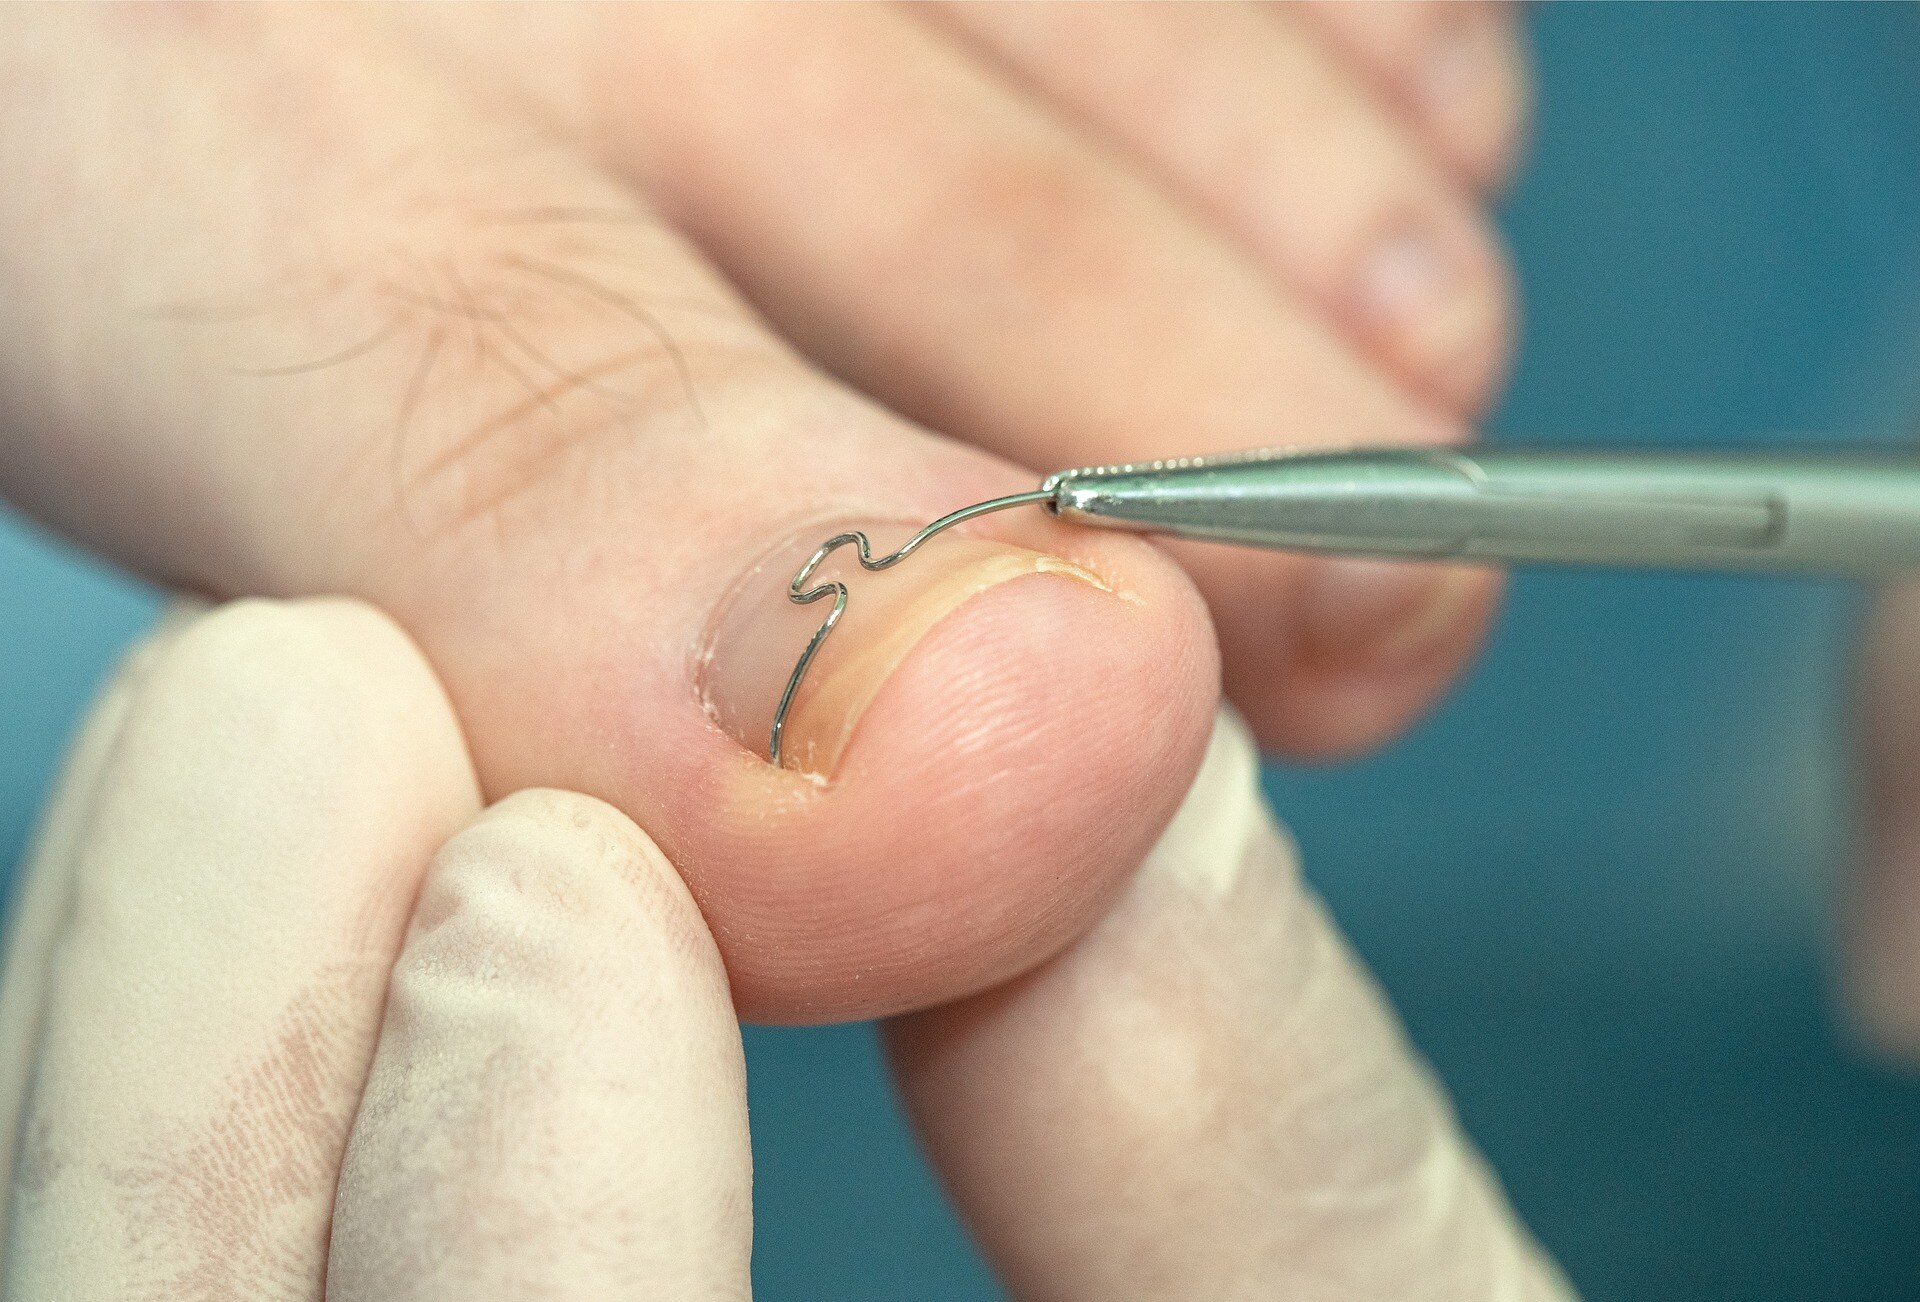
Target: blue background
[[1597, 881]]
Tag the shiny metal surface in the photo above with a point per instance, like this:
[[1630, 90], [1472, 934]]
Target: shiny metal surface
[[1847, 515]]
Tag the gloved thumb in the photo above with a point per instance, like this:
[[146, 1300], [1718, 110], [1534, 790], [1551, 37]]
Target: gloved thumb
[[1208, 1097]]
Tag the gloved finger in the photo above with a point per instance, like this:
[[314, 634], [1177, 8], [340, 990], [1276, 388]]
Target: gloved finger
[[1459, 69], [1206, 1097], [413, 349], [239, 896], [42, 891], [957, 250], [1880, 912], [1244, 112], [558, 1104]]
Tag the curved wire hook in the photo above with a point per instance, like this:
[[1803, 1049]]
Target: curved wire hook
[[799, 593]]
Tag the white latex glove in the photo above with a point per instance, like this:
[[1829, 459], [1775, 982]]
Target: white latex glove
[[210, 1100], [1207, 1097], [286, 1015]]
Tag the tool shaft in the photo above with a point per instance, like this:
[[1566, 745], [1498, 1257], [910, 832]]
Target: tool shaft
[[1849, 515]]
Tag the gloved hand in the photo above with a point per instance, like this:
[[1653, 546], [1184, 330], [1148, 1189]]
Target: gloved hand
[[285, 1013], [559, 334]]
